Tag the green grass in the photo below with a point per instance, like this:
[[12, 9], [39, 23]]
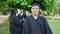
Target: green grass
[[4, 27], [54, 24]]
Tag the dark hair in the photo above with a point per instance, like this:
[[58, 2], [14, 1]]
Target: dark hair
[[13, 11]]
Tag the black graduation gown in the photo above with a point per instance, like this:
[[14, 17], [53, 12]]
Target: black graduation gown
[[13, 28], [21, 18], [18, 25], [38, 26], [19, 21]]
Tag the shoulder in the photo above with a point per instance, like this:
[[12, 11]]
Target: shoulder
[[19, 15], [42, 17], [16, 17], [28, 17], [10, 17]]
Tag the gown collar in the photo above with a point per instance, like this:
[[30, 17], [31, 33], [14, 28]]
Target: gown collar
[[35, 18]]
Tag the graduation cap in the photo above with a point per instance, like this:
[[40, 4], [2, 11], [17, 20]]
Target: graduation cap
[[12, 10], [35, 3]]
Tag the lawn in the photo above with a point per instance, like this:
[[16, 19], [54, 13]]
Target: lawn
[[4, 27], [54, 24]]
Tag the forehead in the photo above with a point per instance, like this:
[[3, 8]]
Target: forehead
[[21, 9], [35, 6]]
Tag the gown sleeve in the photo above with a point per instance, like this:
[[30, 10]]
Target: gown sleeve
[[25, 28], [47, 28], [16, 22]]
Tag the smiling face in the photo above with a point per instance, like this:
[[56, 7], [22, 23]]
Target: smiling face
[[35, 10]]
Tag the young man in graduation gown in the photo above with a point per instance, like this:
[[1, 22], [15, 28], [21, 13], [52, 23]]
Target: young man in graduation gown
[[21, 17], [35, 24], [15, 25]]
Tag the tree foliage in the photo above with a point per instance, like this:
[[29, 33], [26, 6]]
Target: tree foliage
[[19, 3], [46, 5]]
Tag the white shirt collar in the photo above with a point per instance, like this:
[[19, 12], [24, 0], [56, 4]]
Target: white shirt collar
[[35, 17], [21, 14]]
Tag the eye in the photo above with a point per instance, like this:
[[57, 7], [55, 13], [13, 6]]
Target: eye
[[33, 8], [36, 8]]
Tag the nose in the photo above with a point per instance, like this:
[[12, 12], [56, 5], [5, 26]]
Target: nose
[[35, 9]]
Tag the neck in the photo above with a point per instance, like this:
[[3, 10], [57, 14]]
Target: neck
[[35, 15]]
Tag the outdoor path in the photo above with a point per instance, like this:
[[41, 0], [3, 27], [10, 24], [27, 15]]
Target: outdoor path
[[2, 18]]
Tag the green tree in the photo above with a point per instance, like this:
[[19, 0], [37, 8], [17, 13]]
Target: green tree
[[45, 5], [19, 3], [3, 6]]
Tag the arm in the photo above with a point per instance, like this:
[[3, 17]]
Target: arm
[[47, 28], [25, 29]]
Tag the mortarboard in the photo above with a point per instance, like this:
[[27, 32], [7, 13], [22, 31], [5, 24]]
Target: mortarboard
[[35, 3]]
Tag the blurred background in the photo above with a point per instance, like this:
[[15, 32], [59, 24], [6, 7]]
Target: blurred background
[[50, 9]]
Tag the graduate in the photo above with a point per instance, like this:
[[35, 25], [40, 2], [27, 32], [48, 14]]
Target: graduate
[[21, 17], [12, 22], [35, 24], [15, 25]]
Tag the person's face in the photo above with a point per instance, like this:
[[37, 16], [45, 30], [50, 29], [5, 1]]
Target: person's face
[[21, 11], [35, 10]]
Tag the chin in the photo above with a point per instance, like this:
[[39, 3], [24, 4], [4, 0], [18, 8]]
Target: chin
[[35, 14]]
